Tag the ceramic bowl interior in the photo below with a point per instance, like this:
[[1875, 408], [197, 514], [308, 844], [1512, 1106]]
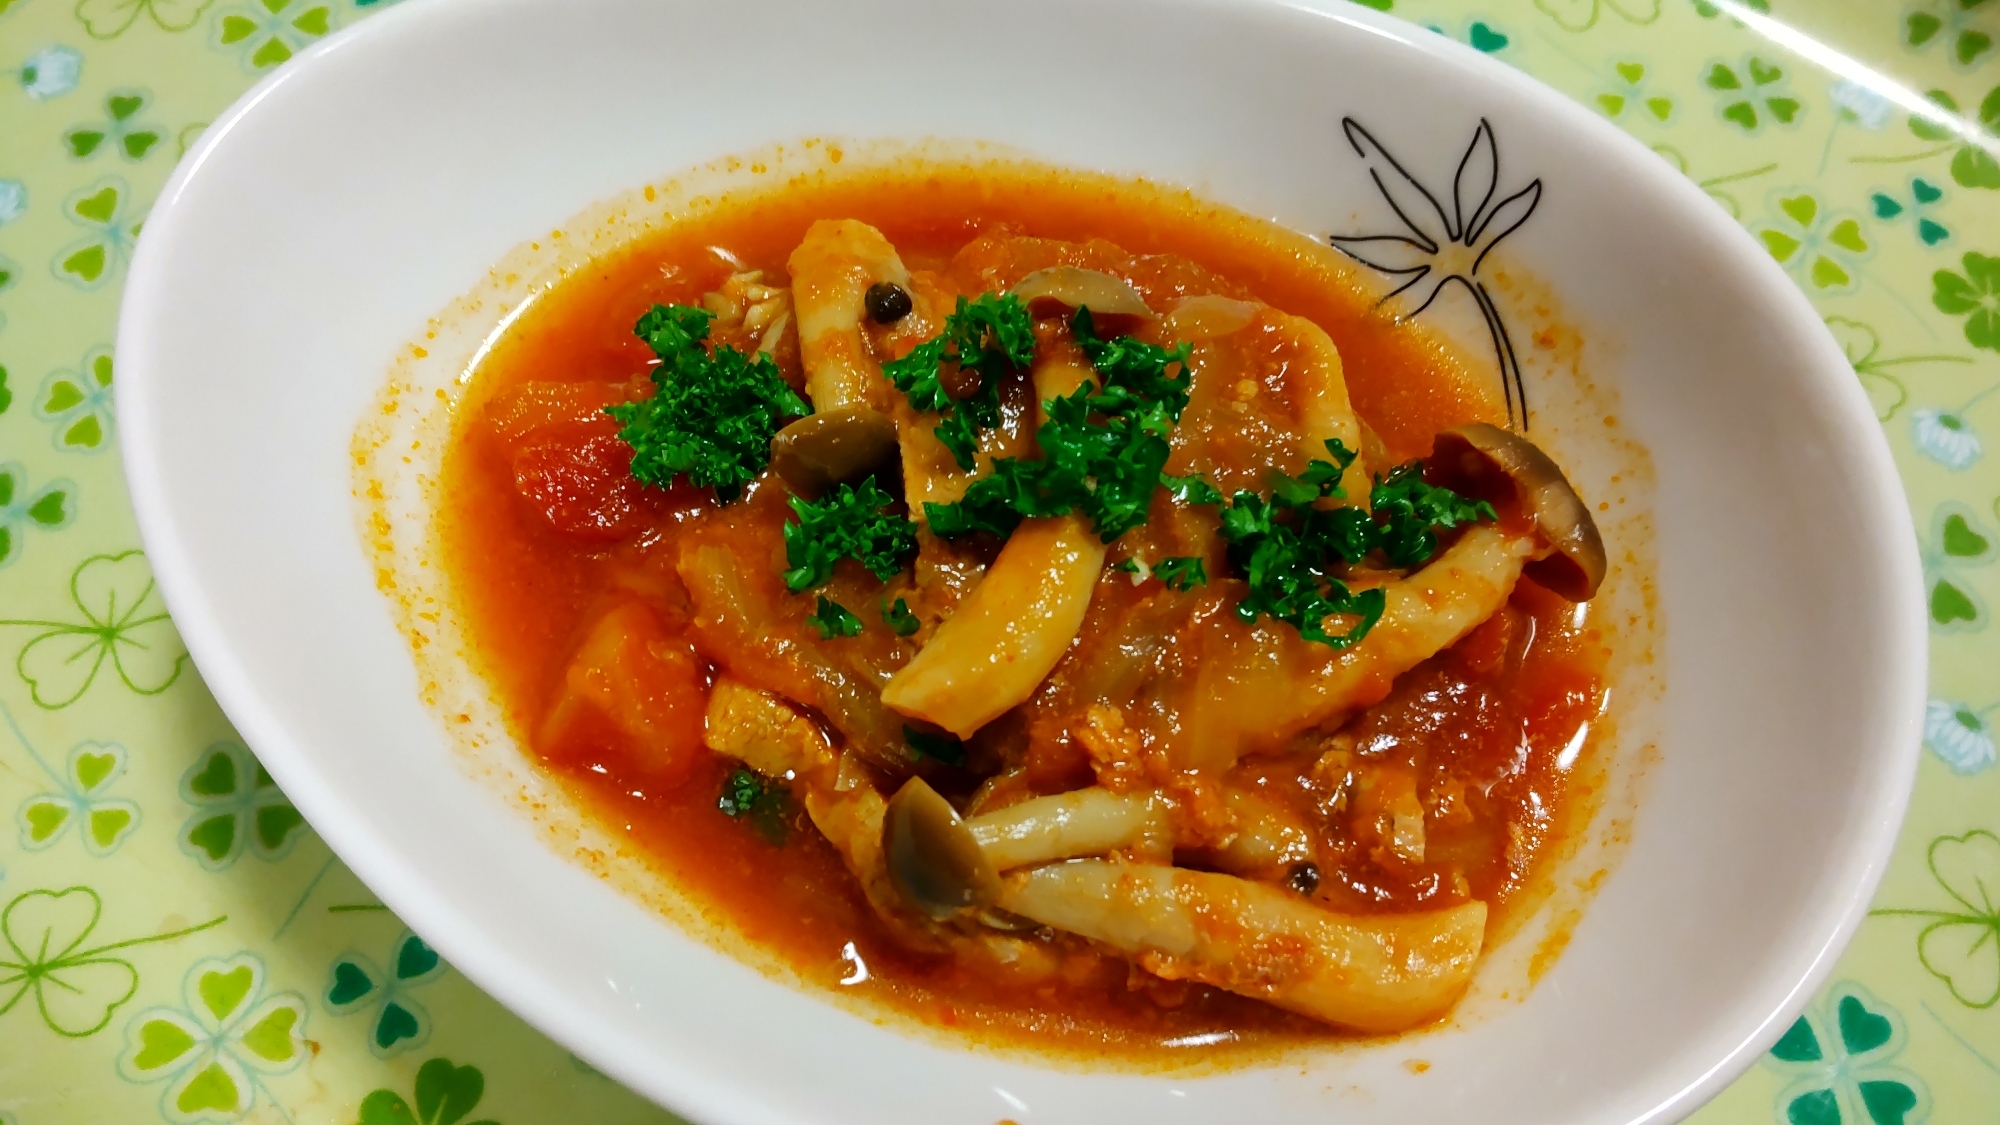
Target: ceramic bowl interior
[[304, 243]]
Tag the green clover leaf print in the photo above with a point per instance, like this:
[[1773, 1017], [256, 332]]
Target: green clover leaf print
[[9, 273], [1958, 542], [1956, 23], [238, 808], [1821, 248], [1960, 944], [398, 1022], [215, 1052], [1630, 88], [1919, 203], [79, 403], [82, 797], [1708, 11], [445, 1094], [123, 624], [268, 32], [1838, 1056], [1971, 165], [1974, 295], [108, 19], [1752, 92], [1582, 15], [23, 509], [1863, 349], [76, 989], [1477, 34], [105, 210], [120, 130]]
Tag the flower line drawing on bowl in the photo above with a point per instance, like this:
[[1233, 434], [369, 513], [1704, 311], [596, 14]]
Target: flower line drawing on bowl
[[1961, 944], [76, 989], [123, 624], [1474, 226]]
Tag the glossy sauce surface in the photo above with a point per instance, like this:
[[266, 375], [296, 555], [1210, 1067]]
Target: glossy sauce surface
[[544, 535]]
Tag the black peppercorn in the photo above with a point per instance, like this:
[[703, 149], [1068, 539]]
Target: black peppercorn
[[1304, 878], [887, 302]]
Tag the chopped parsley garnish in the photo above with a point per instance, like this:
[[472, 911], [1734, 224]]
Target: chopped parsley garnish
[[848, 523], [899, 618], [1103, 447], [1287, 549], [1407, 510], [1289, 572], [1182, 572], [741, 791], [942, 747], [991, 335], [768, 804], [1191, 489], [1128, 365], [712, 414], [830, 619]]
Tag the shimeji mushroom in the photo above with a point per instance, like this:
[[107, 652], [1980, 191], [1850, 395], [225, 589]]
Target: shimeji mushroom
[[1374, 973], [1513, 472], [823, 449]]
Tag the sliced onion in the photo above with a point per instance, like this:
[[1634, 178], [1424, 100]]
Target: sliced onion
[[1210, 315], [1101, 293]]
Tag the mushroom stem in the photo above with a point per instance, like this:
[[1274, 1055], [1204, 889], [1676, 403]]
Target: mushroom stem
[[1082, 822], [1374, 973]]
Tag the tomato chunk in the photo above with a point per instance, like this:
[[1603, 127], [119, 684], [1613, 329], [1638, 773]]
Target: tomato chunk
[[651, 686], [580, 482]]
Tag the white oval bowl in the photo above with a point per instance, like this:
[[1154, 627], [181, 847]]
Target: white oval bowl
[[360, 189]]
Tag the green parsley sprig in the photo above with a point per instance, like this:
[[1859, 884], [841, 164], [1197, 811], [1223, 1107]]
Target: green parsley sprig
[[767, 803], [899, 619], [847, 523], [830, 619], [1288, 548], [1181, 572], [712, 414], [991, 335], [1103, 446], [1409, 511]]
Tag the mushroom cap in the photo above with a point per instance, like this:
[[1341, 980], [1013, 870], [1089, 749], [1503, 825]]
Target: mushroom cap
[[1496, 462], [821, 450], [1101, 293], [932, 857]]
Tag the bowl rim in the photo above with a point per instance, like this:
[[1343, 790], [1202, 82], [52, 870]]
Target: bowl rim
[[510, 978]]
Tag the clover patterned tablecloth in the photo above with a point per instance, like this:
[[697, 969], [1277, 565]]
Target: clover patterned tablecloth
[[176, 943]]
